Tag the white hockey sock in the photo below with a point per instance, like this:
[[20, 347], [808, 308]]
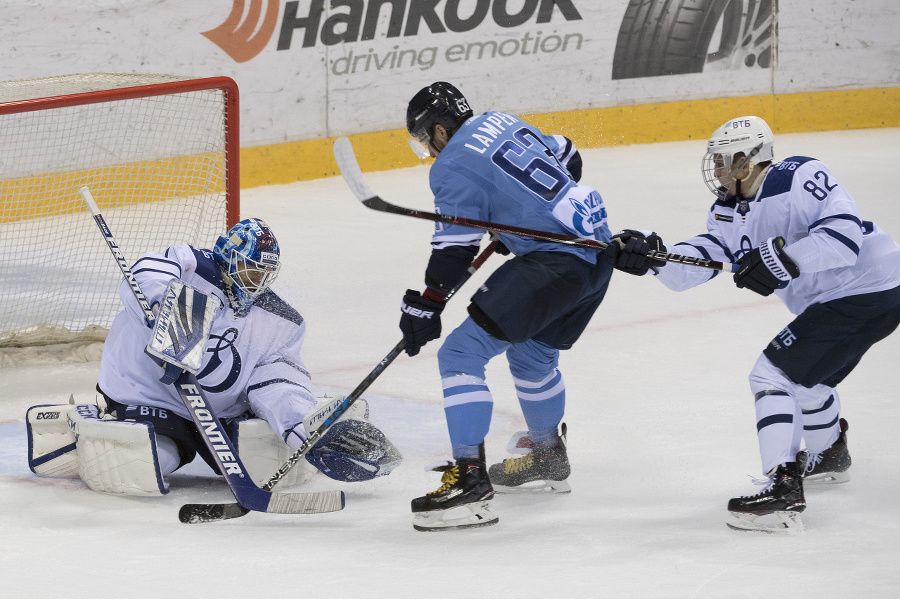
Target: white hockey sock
[[778, 426], [821, 424]]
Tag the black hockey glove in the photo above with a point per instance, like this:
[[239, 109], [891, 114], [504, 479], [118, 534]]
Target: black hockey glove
[[766, 268], [628, 251], [420, 322]]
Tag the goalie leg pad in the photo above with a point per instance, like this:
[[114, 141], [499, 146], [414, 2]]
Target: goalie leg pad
[[51, 442], [116, 457], [263, 452]]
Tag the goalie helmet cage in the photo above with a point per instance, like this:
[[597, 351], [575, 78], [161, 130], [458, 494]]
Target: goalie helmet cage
[[160, 154]]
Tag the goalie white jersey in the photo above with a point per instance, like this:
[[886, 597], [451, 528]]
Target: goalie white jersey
[[262, 372], [838, 253]]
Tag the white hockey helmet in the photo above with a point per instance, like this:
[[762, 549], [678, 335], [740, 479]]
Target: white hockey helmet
[[749, 136]]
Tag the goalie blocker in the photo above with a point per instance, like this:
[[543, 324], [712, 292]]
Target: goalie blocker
[[117, 451]]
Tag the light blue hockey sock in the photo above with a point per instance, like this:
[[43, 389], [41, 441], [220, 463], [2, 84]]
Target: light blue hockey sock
[[468, 406], [543, 404]]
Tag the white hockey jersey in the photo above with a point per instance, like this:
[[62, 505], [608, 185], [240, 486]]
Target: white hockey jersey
[[251, 363], [838, 253]]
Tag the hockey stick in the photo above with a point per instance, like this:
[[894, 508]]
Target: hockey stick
[[212, 512], [349, 167], [248, 495]]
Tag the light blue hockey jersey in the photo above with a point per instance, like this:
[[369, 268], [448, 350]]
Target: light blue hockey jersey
[[251, 363], [838, 253], [500, 169]]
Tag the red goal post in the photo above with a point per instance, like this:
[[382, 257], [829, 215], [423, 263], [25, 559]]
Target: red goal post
[[160, 154]]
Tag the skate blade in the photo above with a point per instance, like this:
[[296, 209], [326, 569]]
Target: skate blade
[[775, 522], [470, 515], [827, 478], [536, 486]]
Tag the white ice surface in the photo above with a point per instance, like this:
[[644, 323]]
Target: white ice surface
[[661, 430]]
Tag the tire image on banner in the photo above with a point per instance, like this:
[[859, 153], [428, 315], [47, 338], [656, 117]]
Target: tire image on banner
[[673, 37]]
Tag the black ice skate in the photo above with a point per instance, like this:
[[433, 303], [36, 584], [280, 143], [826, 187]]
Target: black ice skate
[[782, 499], [460, 502], [831, 465], [543, 469]]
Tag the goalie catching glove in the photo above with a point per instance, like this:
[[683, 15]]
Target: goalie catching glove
[[354, 450], [766, 268], [628, 251]]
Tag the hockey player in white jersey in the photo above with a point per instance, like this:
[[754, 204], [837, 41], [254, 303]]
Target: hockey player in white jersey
[[497, 167], [795, 231], [251, 369]]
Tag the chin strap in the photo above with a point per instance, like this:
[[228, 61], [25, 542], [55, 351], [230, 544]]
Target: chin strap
[[754, 187]]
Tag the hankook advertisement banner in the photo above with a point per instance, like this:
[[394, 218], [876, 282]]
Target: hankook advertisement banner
[[311, 69]]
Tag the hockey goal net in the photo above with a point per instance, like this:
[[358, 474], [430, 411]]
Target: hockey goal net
[[160, 155]]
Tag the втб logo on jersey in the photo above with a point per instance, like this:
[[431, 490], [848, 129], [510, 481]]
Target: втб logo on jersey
[[243, 37]]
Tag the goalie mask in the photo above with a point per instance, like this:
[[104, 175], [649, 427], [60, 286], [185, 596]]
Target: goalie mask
[[737, 145], [354, 450], [250, 259]]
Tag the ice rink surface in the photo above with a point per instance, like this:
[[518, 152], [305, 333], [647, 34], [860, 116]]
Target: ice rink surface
[[660, 416]]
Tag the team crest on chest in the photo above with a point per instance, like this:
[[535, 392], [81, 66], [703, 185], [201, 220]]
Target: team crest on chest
[[224, 366]]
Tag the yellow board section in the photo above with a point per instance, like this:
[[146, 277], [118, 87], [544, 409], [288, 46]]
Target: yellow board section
[[599, 127], [120, 185]]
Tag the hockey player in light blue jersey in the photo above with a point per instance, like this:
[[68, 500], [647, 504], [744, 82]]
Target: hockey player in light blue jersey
[[795, 231], [251, 368], [498, 168]]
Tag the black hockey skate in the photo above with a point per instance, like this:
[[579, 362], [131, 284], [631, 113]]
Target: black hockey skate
[[782, 499], [543, 469], [831, 465], [460, 502]]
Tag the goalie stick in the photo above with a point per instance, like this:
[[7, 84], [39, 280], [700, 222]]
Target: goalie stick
[[212, 512], [248, 495], [349, 167]]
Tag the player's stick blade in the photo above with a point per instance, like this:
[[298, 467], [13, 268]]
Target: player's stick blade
[[320, 502], [349, 167]]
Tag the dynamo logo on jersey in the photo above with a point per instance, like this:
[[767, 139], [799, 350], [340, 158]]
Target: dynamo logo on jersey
[[225, 358]]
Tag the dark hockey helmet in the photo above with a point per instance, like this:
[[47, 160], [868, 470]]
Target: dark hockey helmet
[[250, 260], [438, 104]]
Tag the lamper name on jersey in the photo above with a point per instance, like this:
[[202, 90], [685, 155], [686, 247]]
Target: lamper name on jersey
[[497, 124]]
